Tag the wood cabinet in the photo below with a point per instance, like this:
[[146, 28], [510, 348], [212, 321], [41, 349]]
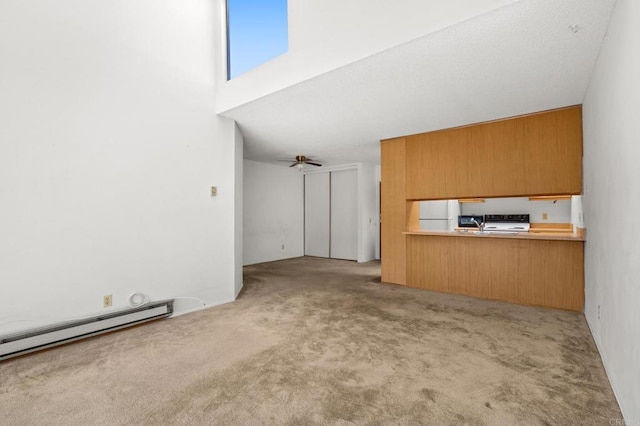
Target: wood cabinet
[[546, 273], [537, 154], [533, 155]]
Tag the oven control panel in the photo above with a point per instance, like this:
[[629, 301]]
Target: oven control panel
[[511, 218]]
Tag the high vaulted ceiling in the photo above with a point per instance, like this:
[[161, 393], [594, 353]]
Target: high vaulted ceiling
[[529, 56]]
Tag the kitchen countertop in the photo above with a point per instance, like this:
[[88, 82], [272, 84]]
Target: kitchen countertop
[[557, 236]]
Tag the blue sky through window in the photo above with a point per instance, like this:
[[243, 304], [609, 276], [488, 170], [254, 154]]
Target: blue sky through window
[[257, 32]]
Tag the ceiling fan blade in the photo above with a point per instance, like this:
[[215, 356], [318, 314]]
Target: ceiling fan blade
[[313, 164], [293, 165]]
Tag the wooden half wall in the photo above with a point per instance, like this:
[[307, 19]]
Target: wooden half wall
[[393, 251]]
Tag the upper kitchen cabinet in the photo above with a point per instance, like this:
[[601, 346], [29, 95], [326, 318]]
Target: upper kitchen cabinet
[[537, 154]]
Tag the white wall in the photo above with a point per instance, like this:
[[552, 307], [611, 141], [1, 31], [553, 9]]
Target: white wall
[[109, 145], [273, 212], [611, 203], [327, 34], [238, 217]]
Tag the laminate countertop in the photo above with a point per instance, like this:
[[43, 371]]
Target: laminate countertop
[[555, 236]]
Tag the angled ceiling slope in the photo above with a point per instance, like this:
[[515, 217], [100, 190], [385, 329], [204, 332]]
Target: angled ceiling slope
[[530, 56]]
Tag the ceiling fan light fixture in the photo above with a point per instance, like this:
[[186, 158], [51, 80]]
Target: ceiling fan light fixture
[[300, 161]]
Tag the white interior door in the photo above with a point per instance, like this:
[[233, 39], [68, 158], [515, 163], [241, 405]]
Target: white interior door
[[316, 214], [344, 215]]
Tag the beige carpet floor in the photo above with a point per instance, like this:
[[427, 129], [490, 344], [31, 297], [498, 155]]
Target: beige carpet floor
[[316, 341]]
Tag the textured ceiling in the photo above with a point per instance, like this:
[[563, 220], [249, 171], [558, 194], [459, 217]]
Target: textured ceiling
[[522, 58]]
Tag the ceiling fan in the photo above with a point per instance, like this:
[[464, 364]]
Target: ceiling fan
[[301, 160]]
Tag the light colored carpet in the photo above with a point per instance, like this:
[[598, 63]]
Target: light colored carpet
[[318, 341]]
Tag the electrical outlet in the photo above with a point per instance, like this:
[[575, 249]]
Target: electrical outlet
[[545, 216], [283, 247], [214, 191], [107, 300]]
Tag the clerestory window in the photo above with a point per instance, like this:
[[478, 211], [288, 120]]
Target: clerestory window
[[257, 31]]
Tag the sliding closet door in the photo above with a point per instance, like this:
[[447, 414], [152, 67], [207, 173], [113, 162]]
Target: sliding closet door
[[316, 214], [344, 215]]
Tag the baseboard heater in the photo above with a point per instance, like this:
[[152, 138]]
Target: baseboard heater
[[40, 338]]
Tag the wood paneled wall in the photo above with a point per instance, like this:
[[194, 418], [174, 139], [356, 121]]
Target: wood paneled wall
[[532, 272], [393, 209], [537, 154]]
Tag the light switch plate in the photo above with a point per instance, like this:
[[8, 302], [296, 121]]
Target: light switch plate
[[214, 191]]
